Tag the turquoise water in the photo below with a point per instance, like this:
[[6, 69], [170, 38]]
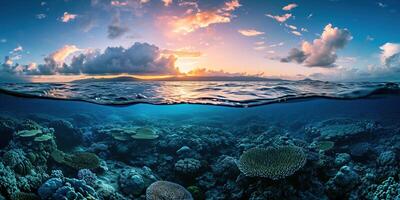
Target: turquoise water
[[339, 148]]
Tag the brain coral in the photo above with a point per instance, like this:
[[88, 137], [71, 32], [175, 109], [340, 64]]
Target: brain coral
[[273, 162], [167, 191]]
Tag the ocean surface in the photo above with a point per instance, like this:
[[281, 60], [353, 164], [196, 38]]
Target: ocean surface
[[215, 140]]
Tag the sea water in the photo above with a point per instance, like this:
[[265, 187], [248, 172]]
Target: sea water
[[201, 136]]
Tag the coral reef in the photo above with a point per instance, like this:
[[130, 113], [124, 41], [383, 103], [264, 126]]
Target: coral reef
[[168, 159]]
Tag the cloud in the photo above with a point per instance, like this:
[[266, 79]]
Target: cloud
[[369, 38], [17, 49], [16, 53], [119, 3], [195, 20], [390, 55], [167, 2], [139, 59], [281, 18], [3, 40], [382, 5], [277, 45], [182, 53], [290, 7], [250, 32], [231, 5], [296, 33], [322, 51], [60, 55], [115, 29], [291, 26], [67, 17], [41, 16]]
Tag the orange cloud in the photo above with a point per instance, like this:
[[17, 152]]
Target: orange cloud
[[250, 32], [68, 17], [60, 55], [232, 5], [202, 19], [193, 22]]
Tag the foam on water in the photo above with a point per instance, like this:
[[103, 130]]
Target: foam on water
[[225, 93]]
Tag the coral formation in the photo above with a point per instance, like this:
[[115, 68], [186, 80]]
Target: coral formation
[[188, 166], [79, 160], [167, 191], [273, 162]]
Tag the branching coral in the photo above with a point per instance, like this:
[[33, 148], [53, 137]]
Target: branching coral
[[273, 162]]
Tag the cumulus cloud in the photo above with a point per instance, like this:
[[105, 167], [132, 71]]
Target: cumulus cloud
[[280, 18], [61, 54], [290, 7], [250, 32], [390, 55], [67, 17], [322, 51], [139, 59], [195, 20]]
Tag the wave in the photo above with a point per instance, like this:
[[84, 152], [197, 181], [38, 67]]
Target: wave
[[225, 93]]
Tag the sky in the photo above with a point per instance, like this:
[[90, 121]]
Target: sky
[[340, 40]]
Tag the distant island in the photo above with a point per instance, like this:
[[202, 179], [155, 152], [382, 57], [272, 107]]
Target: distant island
[[177, 78]]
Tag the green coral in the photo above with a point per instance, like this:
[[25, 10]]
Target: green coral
[[29, 133], [273, 162], [145, 133], [325, 145], [127, 133], [80, 160], [44, 137]]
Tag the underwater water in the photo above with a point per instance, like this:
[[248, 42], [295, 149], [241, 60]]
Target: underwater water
[[200, 140]]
